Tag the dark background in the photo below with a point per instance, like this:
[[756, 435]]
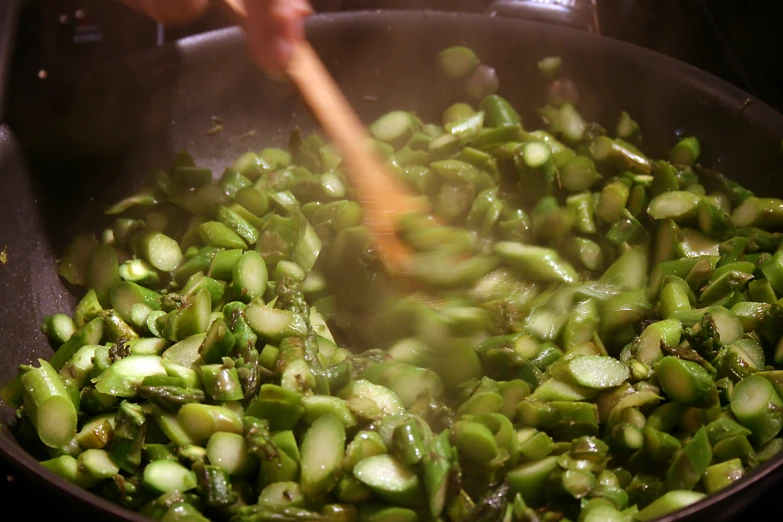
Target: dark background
[[738, 40]]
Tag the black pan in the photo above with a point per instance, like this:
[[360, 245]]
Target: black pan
[[98, 140]]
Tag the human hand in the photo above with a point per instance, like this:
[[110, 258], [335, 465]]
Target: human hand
[[272, 26]]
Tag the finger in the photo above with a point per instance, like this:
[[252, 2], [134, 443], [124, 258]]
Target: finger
[[170, 12], [272, 28]]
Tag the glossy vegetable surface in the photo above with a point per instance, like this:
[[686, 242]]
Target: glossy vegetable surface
[[537, 379]]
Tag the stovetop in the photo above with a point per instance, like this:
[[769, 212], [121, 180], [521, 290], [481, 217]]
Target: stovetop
[[59, 40]]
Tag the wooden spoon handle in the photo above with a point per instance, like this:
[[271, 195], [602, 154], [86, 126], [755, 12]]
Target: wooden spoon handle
[[383, 199]]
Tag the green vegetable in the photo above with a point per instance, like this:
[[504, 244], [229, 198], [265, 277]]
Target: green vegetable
[[201, 421], [585, 332], [163, 476], [394, 127], [719, 476], [686, 382], [390, 479], [620, 154], [757, 406], [549, 66], [58, 328], [159, 250], [48, 405], [499, 111], [322, 452], [457, 62], [685, 152], [669, 502], [535, 262], [691, 463], [230, 452], [758, 212]]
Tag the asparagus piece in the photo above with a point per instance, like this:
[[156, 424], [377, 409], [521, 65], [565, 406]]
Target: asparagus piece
[[164, 476], [719, 476], [691, 463], [48, 405], [322, 452], [129, 435], [551, 370], [230, 452], [757, 406], [390, 479], [457, 62], [158, 249], [201, 421], [669, 502], [536, 262], [58, 328], [686, 382]]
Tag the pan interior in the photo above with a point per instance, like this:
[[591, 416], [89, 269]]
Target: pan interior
[[64, 158]]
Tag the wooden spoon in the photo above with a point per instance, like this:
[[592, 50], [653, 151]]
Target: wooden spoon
[[384, 200]]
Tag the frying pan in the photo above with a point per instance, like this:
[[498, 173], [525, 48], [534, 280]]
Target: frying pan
[[62, 159]]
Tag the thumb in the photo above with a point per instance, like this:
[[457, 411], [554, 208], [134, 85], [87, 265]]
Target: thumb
[[273, 26]]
